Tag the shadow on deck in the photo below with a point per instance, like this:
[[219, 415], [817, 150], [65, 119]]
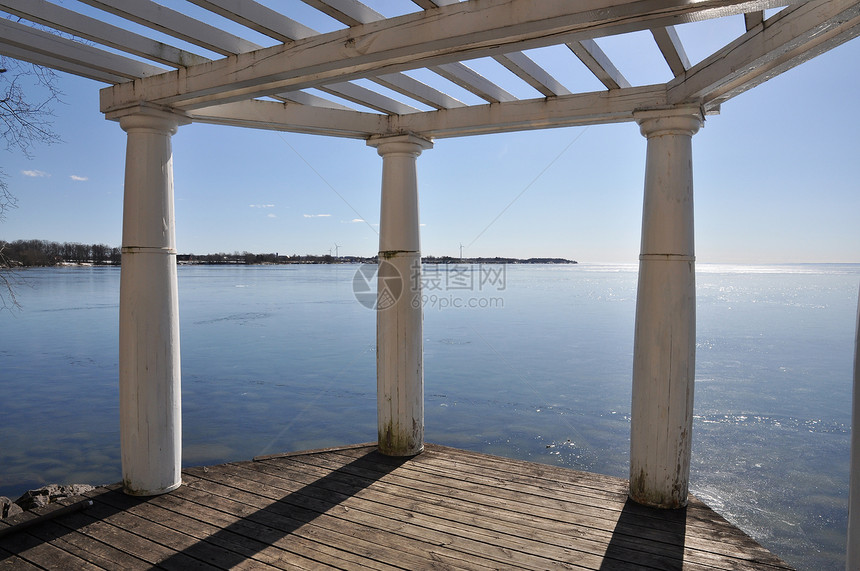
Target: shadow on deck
[[353, 508]]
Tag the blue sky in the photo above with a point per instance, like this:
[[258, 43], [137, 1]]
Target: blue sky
[[777, 179]]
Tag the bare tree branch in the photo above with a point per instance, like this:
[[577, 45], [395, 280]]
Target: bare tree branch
[[27, 94], [7, 199], [8, 279]]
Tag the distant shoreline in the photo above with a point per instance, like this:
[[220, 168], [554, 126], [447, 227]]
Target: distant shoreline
[[185, 260], [269, 259], [44, 253]]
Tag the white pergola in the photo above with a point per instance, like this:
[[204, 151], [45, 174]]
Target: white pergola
[[166, 68]]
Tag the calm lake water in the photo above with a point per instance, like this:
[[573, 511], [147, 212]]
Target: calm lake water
[[535, 363]]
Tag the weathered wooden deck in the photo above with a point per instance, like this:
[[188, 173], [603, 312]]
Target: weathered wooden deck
[[351, 508]]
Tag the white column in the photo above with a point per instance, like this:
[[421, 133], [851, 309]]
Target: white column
[[149, 380], [665, 335], [399, 336], [853, 557]]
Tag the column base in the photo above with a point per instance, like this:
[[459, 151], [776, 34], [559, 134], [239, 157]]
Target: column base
[[142, 493], [396, 453]]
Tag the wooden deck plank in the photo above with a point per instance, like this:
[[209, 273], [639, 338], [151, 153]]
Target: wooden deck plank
[[499, 498], [486, 525], [305, 540], [8, 562], [183, 550], [522, 524], [494, 518], [101, 555], [86, 547], [550, 522], [44, 555], [352, 508], [541, 480], [700, 521], [366, 541], [422, 525], [289, 548], [704, 529], [371, 527], [698, 517], [246, 546], [105, 526]]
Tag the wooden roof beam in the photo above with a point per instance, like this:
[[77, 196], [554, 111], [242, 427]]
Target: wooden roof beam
[[433, 37], [594, 58], [275, 25], [259, 18], [533, 74], [516, 62], [566, 111], [71, 22], [83, 26], [571, 110], [66, 20], [349, 12], [37, 58], [368, 98], [32, 44], [176, 24], [427, 4], [311, 100], [417, 90], [304, 98], [274, 116], [471, 80], [753, 19], [794, 35], [353, 13], [673, 51]]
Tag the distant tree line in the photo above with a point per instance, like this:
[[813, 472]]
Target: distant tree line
[[496, 260], [29, 253], [26, 253], [249, 258]]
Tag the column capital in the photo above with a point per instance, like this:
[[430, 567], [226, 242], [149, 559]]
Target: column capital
[[406, 144], [150, 118], [686, 120]]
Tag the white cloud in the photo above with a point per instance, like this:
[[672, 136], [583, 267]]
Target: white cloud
[[261, 205], [35, 173], [357, 220], [271, 215], [78, 178], [316, 215]]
